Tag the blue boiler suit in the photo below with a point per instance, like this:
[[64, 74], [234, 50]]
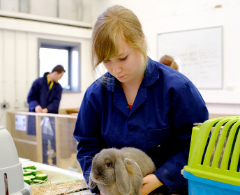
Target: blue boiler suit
[[159, 123], [40, 94]]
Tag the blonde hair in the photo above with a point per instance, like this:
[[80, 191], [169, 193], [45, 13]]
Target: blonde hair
[[116, 19], [169, 61]]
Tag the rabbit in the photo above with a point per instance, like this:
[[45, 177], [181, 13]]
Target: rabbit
[[120, 172]]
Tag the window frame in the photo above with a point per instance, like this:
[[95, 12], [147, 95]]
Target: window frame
[[70, 46]]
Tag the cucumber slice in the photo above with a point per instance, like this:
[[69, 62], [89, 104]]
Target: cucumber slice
[[31, 170], [39, 172], [30, 167], [41, 176], [27, 173], [38, 181], [27, 180], [30, 177]]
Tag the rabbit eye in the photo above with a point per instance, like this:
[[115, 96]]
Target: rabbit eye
[[108, 165]]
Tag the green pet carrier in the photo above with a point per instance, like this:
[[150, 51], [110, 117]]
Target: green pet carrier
[[213, 164]]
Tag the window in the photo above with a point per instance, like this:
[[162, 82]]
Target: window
[[52, 53]]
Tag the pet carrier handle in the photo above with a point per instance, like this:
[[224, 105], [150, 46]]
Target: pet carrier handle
[[228, 149], [201, 141], [212, 142], [221, 142], [235, 155]]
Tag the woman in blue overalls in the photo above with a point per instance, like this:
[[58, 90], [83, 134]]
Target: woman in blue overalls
[[138, 103]]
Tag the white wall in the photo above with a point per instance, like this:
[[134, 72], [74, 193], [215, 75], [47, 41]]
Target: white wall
[[7, 5], [79, 10], [159, 16], [87, 10], [43, 8], [19, 60]]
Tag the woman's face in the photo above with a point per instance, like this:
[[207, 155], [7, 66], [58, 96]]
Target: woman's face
[[128, 65]]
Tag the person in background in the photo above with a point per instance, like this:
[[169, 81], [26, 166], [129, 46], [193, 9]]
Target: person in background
[[169, 61], [138, 103], [45, 93]]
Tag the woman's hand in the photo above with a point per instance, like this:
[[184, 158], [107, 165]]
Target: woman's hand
[[150, 183], [45, 110], [38, 109]]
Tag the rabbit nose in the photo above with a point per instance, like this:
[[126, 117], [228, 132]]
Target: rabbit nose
[[97, 176]]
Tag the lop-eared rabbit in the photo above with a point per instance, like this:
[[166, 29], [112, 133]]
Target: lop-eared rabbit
[[120, 172]]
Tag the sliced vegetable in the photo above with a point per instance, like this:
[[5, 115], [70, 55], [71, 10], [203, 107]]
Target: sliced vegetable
[[31, 170], [30, 167], [39, 172], [27, 173], [30, 177], [27, 180], [38, 181], [41, 176]]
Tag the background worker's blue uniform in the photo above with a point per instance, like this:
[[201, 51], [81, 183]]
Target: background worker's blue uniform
[[40, 94], [159, 123]]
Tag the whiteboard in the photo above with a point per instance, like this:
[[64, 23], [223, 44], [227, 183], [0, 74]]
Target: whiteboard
[[198, 54]]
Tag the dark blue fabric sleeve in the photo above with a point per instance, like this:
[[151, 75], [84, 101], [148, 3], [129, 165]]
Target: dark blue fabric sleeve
[[88, 134], [54, 105], [188, 107], [32, 96]]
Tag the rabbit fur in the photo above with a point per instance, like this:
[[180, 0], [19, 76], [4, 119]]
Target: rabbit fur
[[120, 172]]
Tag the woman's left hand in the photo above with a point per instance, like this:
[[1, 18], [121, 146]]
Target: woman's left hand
[[150, 183]]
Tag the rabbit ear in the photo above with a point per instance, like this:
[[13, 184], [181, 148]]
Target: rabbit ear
[[123, 179], [92, 184]]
